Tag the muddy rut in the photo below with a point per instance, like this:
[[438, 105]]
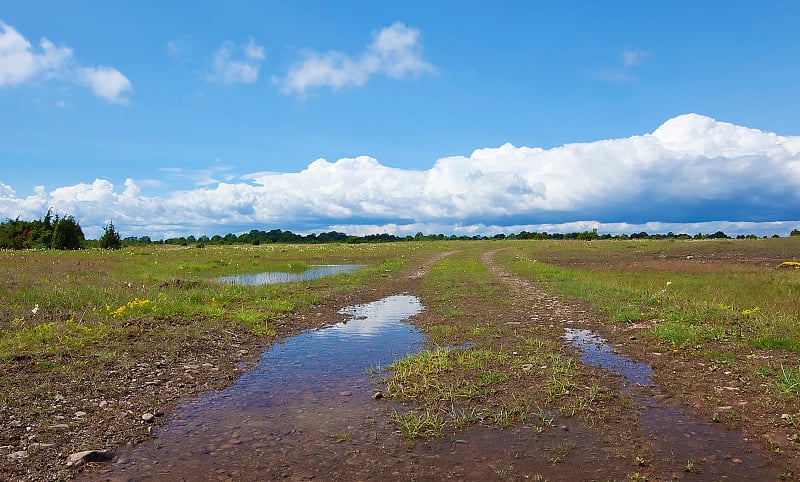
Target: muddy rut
[[672, 436]]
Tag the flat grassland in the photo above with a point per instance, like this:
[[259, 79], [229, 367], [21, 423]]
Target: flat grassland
[[92, 340]]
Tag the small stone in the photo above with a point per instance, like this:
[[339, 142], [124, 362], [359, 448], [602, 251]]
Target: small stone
[[80, 413], [346, 394], [78, 458], [148, 417], [59, 426], [377, 395], [564, 428], [18, 455], [15, 423], [103, 404], [526, 367], [737, 461], [785, 416]]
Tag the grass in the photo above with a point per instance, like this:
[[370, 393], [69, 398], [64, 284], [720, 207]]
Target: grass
[[480, 369], [694, 294], [416, 424], [788, 381], [77, 302], [65, 308], [559, 451]]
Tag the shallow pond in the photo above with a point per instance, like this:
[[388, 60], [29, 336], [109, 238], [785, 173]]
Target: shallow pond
[[271, 278]]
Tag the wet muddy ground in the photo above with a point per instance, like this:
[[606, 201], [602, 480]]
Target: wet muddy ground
[[299, 414], [309, 411], [677, 443]]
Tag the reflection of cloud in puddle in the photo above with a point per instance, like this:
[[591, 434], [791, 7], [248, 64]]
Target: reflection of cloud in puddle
[[595, 351], [369, 319]]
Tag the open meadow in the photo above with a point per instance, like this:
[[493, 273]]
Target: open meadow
[[99, 348]]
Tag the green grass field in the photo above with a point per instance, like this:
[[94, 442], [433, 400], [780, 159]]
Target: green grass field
[[722, 314]]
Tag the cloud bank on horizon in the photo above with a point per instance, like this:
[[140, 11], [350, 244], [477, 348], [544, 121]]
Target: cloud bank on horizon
[[692, 173]]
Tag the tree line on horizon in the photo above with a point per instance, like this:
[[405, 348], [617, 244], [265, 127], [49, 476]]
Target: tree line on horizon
[[54, 232]]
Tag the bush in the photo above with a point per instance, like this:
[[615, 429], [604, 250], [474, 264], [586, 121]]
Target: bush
[[67, 234]]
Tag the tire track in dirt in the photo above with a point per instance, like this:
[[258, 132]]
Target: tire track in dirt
[[546, 308], [674, 437]]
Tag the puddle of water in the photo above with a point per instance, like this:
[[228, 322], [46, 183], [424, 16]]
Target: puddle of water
[[271, 278], [675, 437], [595, 351], [288, 411]]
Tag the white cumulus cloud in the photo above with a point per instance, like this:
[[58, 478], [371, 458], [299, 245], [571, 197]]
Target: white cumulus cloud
[[106, 82], [20, 62], [237, 64], [692, 174], [396, 51]]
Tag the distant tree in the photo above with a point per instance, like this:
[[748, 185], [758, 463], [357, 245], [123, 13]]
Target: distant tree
[[111, 238], [40, 232], [795, 232], [67, 234], [13, 233]]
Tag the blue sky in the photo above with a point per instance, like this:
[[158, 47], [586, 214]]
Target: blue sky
[[177, 118]]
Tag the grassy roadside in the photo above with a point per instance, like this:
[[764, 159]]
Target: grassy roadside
[[60, 303], [726, 313]]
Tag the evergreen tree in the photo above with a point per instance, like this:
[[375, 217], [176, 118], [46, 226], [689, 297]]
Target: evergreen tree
[[111, 238], [67, 234]]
